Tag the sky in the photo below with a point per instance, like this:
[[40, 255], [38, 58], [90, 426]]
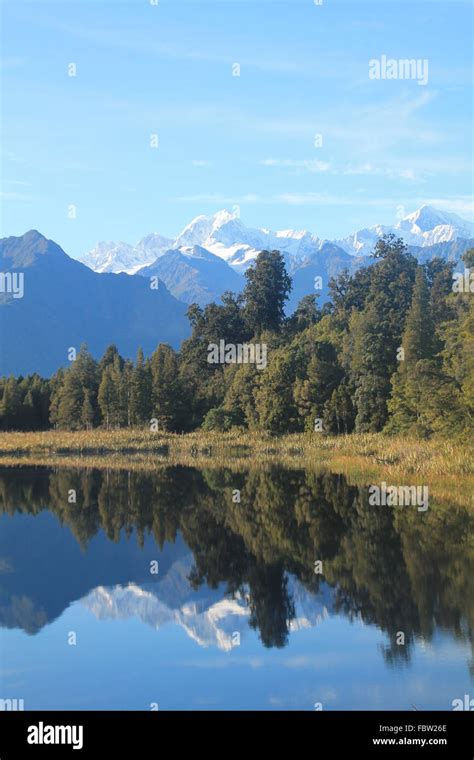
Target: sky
[[159, 124]]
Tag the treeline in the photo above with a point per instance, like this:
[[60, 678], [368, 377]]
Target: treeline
[[393, 350]]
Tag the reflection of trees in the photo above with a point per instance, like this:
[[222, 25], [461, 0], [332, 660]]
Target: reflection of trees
[[395, 568], [270, 605]]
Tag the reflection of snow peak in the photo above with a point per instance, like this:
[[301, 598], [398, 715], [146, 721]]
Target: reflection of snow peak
[[211, 626], [209, 618]]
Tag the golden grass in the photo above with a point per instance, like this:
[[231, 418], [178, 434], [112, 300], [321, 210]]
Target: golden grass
[[448, 467]]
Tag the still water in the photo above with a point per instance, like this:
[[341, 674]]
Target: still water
[[268, 588]]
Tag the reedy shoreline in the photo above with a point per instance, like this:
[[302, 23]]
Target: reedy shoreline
[[446, 466]]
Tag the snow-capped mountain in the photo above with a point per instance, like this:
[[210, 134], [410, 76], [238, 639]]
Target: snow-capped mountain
[[208, 616], [123, 257], [225, 236], [425, 227]]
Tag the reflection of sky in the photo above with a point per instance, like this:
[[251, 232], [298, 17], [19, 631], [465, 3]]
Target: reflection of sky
[[149, 641], [124, 664]]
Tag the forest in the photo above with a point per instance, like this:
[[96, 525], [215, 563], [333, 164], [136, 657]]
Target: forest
[[392, 351]]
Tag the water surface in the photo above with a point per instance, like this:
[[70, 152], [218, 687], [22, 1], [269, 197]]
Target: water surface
[[237, 615]]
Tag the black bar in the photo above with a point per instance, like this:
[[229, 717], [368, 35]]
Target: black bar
[[132, 734]]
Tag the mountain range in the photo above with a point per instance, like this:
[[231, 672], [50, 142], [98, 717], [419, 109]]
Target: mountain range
[[224, 235], [138, 295], [65, 304], [212, 253]]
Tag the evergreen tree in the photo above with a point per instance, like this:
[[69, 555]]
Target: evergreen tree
[[409, 382], [140, 392], [241, 383], [108, 397], [375, 333], [338, 413], [268, 287], [70, 402], [305, 315], [10, 405], [110, 356], [166, 393], [274, 402], [87, 415], [321, 377], [450, 398], [80, 377]]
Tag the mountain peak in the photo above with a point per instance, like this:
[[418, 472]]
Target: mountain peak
[[203, 227], [32, 235], [427, 218], [26, 249], [222, 217]]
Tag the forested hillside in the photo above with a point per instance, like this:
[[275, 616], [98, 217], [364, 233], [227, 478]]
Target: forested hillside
[[392, 350]]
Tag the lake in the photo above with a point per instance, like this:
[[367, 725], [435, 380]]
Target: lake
[[266, 588]]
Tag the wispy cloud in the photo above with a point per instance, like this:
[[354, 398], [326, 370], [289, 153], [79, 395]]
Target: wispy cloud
[[18, 182], [462, 205], [138, 42], [313, 166], [327, 199], [219, 198], [310, 165], [7, 196]]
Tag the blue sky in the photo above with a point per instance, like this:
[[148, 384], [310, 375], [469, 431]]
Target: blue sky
[[387, 145]]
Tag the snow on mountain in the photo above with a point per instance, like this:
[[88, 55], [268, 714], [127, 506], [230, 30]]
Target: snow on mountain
[[153, 246], [428, 218], [208, 616], [122, 257], [424, 227], [225, 236]]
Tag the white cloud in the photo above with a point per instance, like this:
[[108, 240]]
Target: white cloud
[[313, 166], [326, 199], [219, 198], [310, 165], [7, 196], [18, 182]]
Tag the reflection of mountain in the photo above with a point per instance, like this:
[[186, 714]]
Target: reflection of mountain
[[226, 565], [207, 616], [37, 585]]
